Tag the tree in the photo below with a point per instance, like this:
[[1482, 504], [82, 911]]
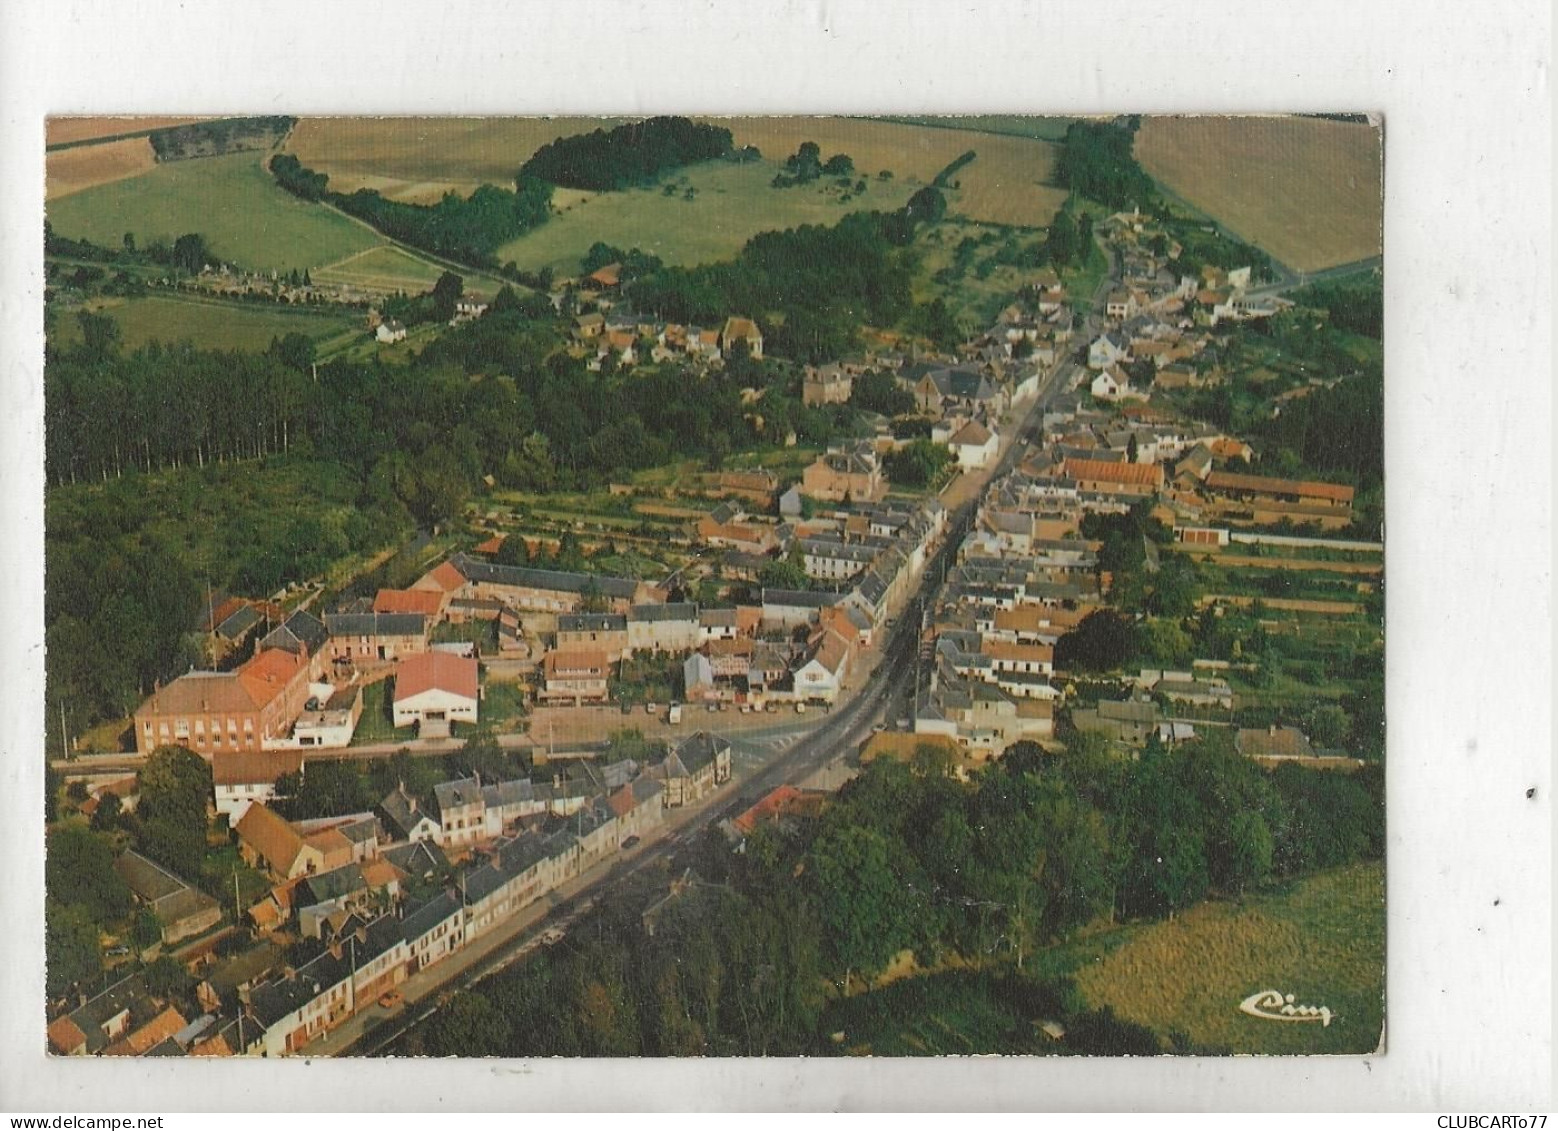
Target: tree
[[99, 336], [928, 205], [839, 165], [70, 947], [175, 784], [467, 1026], [1061, 240], [447, 292], [864, 915], [1329, 725], [917, 464], [165, 976], [105, 818], [1104, 641], [78, 870], [513, 551], [190, 253], [1100, 1033]]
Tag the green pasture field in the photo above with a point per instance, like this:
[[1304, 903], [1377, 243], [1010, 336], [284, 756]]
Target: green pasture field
[[385, 267], [1321, 939], [732, 204], [230, 200], [211, 323]]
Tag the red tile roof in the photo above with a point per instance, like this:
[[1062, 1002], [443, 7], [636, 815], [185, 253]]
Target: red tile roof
[[442, 670], [1260, 484], [446, 577], [268, 674], [572, 664], [423, 601], [1103, 471], [65, 1036], [253, 767]]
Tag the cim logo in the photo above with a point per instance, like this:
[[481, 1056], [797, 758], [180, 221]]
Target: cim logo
[[1273, 1005]]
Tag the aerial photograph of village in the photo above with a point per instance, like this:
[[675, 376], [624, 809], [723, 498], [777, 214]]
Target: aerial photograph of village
[[697, 586]]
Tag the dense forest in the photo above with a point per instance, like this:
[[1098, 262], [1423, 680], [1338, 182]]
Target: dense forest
[[627, 155], [469, 229], [910, 858], [389, 448], [1096, 162]]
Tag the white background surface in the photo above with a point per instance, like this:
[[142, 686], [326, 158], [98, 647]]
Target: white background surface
[[1466, 94]]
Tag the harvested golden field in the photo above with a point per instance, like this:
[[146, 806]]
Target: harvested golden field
[[70, 170], [1007, 183], [910, 153], [1322, 941], [1305, 190], [419, 159], [65, 131]]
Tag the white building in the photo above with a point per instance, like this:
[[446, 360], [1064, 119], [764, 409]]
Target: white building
[[435, 688]]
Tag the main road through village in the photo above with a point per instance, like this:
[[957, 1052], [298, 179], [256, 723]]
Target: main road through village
[[818, 754]]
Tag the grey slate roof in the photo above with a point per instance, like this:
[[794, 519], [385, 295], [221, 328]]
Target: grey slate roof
[[429, 915], [520, 577], [375, 624], [455, 794]]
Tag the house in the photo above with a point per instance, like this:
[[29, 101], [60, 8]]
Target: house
[[738, 329], [534, 590], [974, 445], [404, 820], [390, 331], [369, 638], [604, 278], [1108, 349], [461, 812], [1113, 385], [671, 627], [820, 678], [141, 1041], [789, 608], [841, 475], [267, 841], [724, 527], [1273, 743], [1130, 721], [827, 384], [433, 930], [577, 677], [240, 778], [417, 602], [606, 633], [435, 688], [1197, 464], [246, 709], [182, 911], [302, 634], [696, 767]]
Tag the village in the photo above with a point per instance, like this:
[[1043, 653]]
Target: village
[[356, 904]]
